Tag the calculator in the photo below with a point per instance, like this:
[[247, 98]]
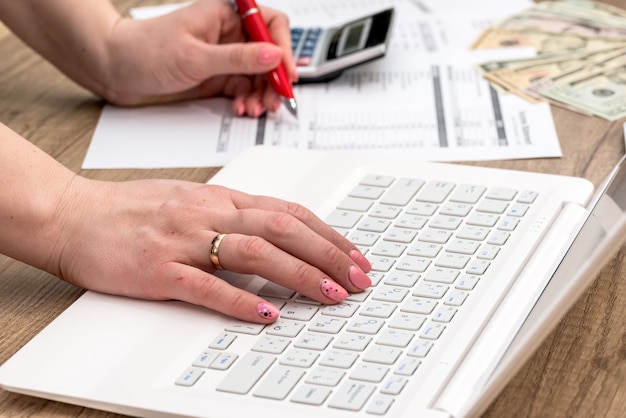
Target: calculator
[[322, 54]]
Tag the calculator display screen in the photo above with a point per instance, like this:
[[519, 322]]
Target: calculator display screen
[[353, 40], [353, 37]]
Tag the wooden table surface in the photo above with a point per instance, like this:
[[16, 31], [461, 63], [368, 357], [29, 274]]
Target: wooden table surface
[[579, 370]]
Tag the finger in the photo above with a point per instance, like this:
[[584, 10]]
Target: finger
[[254, 255], [278, 26], [302, 247], [295, 238], [254, 101], [242, 58], [271, 99], [308, 218], [239, 88], [200, 288]]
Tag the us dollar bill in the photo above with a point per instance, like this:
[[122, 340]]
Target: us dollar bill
[[601, 61], [586, 9], [542, 21], [602, 93], [581, 56], [523, 74], [542, 42]]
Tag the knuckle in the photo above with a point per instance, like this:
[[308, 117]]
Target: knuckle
[[301, 275], [253, 249], [280, 223], [237, 57], [215, 295], [279, 18], [238, 300], [298, 211], [333, 255], [210, 288], [220, 191]]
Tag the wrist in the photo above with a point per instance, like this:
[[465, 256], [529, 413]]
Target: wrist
[[36, 188]]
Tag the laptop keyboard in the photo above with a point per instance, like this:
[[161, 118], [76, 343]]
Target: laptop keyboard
[[431, 245]]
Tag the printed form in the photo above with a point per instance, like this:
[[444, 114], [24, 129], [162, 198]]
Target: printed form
[[423, 101]]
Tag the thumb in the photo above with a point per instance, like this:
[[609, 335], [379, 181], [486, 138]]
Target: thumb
[[245, 58]]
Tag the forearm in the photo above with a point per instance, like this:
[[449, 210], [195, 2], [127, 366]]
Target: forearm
[[71, 34], [35, 190]]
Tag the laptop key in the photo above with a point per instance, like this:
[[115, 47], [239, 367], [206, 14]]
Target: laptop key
[[380, 404], [325, 376], [369, 372], [501, 193], [352, 395], [223, 341], [189, 377], [394, 385], [402, 191], [223, 361], [343, 218], [246, 373], [468, 193], [205, 358], [407, 366], [279, 382], [311, 395], [435, 192], [245, 328]]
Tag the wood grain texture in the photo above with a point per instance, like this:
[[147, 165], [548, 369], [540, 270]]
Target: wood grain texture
[[579, 371], [4, 31]]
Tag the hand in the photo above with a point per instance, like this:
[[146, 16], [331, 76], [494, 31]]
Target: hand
[[151, 239], [195, 52]]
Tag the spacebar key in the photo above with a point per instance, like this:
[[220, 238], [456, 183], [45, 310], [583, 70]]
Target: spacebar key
[[246, 373]]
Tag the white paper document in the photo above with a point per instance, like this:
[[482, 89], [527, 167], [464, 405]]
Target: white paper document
[[330, 11], [423, 101]]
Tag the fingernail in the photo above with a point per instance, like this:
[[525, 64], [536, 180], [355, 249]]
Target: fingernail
[[358, 278], [258, 111], [241, 109], [269, 55], [267, 311], [332, 290], [360, 259]]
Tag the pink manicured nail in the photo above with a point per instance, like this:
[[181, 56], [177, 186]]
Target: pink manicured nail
[[269, 55], [360, 259], [358, 278], [332, 290], [258, 111], [241, 109], [267, 311]]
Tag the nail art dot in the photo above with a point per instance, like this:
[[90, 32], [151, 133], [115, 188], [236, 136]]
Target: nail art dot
[[265, 311], [328, 288]]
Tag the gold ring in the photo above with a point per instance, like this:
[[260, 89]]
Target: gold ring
[[214, 254]]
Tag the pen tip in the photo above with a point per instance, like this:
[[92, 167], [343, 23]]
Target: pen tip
[[291, 105]]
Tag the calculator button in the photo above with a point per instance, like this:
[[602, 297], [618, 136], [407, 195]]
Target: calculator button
[[303, 61], [306, 51]]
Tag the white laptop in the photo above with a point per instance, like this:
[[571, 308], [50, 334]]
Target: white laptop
[[472, 268]]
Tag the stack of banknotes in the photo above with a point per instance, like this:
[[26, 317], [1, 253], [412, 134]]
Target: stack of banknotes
[[581, 56]]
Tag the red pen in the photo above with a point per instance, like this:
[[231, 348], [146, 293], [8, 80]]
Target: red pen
[[257, 30]]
